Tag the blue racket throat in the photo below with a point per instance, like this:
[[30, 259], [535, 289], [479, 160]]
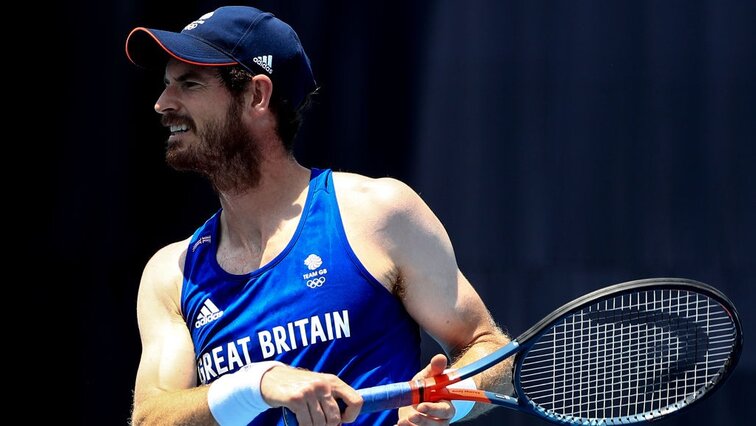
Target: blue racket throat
[[491, 359]]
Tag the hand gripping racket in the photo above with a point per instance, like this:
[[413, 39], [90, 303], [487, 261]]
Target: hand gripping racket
[[628, 353]]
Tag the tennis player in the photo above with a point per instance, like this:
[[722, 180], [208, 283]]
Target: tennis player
[[306, 284]]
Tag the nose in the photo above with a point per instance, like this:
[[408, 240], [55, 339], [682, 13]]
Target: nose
[[166, 102]]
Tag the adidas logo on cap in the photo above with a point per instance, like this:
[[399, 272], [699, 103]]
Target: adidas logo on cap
[[265, 61], [208, 314]]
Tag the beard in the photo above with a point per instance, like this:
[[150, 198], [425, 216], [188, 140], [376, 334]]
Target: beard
[[225, 152]]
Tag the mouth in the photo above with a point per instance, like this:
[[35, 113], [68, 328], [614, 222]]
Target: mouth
[[177, 129], [177, 124]]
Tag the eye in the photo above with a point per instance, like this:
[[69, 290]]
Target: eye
[[190, 84]]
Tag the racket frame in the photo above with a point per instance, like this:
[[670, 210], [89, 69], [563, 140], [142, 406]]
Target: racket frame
[[434, 388]]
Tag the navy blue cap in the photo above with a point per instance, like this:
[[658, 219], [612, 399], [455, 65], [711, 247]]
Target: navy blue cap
[[231, 35]]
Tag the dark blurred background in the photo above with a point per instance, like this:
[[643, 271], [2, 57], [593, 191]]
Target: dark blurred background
[[566, 145]]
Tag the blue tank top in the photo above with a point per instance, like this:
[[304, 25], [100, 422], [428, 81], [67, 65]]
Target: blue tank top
[[313, 306]]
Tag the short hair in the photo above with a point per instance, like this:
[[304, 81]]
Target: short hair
[[288, 118]]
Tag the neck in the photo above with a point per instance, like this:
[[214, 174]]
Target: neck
[[251, 217]]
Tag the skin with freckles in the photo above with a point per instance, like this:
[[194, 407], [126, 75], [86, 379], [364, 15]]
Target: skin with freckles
[[232, 140]]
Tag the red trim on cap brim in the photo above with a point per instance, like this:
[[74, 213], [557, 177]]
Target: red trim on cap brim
[[173, 55]]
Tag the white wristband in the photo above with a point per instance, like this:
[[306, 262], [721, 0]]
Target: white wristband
[[235, 399], [462, 408]]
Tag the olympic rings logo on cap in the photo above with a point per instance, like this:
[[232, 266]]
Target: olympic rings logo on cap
[[316, 282]]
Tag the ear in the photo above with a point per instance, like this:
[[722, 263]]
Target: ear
[[261, 90]]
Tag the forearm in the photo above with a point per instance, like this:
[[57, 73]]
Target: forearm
[[497, 378], [185, 407]]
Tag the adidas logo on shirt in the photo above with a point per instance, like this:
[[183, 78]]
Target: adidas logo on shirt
[[265, 61], [208, 314]]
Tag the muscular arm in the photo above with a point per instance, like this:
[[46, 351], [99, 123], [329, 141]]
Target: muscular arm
[[405, 246], [438, 295], [165, 390]]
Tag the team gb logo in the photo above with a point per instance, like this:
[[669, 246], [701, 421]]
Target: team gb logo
[[313, 262], [199, 21]]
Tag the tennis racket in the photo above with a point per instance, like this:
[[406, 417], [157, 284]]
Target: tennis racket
[[628, 353]]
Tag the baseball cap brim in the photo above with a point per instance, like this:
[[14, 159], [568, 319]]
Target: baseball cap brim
[[148, 47]]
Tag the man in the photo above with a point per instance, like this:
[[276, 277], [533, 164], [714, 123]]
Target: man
[[307, 284]]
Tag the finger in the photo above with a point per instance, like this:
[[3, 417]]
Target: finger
[[435, 367], [330, 409], [351, 412], [351, 399], [302, 412], [437, 364], [439, 409], [316, 412], [421, 419], [405, 422], [409, 416]]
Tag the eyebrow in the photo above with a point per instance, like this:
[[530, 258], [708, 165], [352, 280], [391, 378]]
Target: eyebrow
[[189, 75]]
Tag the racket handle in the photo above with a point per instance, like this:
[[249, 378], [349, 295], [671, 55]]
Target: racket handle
[[385, 397]]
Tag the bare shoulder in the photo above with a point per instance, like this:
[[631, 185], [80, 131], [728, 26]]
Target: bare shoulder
[[163, 276], [380, 218], [384, 204], [167, 263], [376, 196]]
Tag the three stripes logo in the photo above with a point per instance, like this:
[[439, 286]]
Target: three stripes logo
[[265, 61], [208, 314]]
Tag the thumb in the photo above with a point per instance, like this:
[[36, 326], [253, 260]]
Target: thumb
[[436, 366]]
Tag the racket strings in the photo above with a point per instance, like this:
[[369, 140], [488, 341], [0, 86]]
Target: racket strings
[[632, 355]]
